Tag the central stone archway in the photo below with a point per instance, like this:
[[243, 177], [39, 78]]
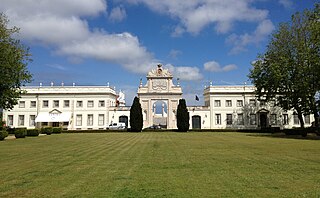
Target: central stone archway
[[159, 87]]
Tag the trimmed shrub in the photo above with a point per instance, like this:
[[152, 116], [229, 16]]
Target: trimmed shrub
[[136, 118], [46, 130], [296, 131], [56, 130], [33, 132], [182, 116], [3, 134], [10, 130], [20, 132]]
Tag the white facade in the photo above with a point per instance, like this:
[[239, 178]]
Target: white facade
[[95, 107], [71, 107], [236, 107]]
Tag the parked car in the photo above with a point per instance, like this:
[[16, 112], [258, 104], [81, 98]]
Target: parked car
[[119, 125], [153, 127]]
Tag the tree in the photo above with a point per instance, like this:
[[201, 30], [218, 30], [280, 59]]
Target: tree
[[14, 58], [288, 72], [136, 119], [182, 116]]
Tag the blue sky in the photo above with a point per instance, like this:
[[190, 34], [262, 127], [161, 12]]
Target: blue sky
[[92, 42]]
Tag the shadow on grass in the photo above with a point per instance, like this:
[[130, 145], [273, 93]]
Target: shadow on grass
[[310, 136]]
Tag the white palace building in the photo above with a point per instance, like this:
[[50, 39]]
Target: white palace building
[[95, 107]]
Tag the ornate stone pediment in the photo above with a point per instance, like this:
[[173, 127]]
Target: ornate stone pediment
[[159, 72], [159, 84]]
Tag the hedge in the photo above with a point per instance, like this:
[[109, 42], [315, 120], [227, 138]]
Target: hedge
[[3, 134], [47, 130], [20, 132], [56, 130], [33, 132]]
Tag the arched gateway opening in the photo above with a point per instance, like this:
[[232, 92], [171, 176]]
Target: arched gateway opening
[[159, 99], [160, 113]]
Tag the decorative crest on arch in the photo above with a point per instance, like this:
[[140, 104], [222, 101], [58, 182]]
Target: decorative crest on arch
[[159, 72]]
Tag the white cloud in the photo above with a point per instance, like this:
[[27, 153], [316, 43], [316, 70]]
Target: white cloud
[[240, 42], [57, 66], [195, 15], [60, 26], [286, 3], [178, 31], [51, 30], [63, 8], [123, 49], [174, 53], [214, 66], [185, 72], [117, 14]]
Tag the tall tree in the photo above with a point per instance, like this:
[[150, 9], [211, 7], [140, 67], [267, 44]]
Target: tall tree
[[182, 116], [312, 47], [289, 70], [14, 57], [136, 119]]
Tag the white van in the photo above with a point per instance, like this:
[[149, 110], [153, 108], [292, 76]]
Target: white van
[[119, 125]]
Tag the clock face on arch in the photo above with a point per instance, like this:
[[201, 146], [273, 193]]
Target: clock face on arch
[[159, 84]]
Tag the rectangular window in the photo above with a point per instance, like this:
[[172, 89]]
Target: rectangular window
[[217, 103], [101, 103], [79, 120], [228, 103], [240, 119], [252, 102], [218, 119], [90, 120], [44, 124], [66, 103], [229, 119], [307, 119], [296, 119], [79, 103], [10, 120], [21, 120], [285, 119], [33, 104], [32, 120], [45, 103], [22, 104], [55, 103], [239, 103], [101, 120], [90, 103], [253, 119], [273, 119]]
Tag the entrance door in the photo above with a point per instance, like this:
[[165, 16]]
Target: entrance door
[[124, 119], [263, 120], [196, 122]]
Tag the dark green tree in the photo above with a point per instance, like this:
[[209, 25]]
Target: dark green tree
[[288, 72], [136, 119], [14, 57], [182, 116]]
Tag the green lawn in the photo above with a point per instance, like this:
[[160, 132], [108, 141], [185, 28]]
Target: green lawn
[[159, 165]]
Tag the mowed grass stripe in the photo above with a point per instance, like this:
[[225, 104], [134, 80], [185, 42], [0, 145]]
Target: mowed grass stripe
[[102, 169], [51, 169], [160, 165], [85, 166]]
